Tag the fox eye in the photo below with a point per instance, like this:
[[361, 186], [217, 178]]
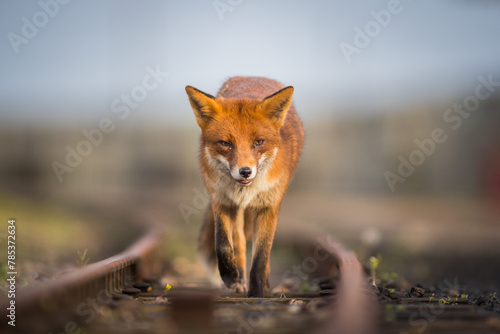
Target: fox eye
[[258, 142], [226, 144]]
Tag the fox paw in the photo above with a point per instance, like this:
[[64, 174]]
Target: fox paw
[[229, 276], [240, 287]]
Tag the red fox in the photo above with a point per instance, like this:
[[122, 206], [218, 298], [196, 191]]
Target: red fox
[[251, 141]]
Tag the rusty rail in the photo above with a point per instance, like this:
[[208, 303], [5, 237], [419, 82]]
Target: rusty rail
[[59, 299], [355, 310]]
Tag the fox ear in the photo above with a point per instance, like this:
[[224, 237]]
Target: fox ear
[[204, 105], [276, 105]]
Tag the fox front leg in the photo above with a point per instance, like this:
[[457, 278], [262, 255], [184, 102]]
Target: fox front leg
[[226, 261], [264, 228], [239, 247]]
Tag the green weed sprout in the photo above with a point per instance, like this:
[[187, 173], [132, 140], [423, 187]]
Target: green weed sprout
[[374, 263], [82, 258]]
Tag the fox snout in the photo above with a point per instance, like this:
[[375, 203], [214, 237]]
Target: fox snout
[[246, 172], [244, 175]]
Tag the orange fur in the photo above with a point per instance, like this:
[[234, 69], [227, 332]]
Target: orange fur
[[251, 141]]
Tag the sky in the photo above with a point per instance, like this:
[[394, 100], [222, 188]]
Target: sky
[[83, 57]]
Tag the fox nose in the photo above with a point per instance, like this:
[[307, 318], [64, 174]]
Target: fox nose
[[245, 172]]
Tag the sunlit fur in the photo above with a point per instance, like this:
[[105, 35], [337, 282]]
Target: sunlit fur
[[251, 123]]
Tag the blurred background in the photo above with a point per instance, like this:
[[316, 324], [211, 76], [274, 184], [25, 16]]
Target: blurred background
[[96, 132]]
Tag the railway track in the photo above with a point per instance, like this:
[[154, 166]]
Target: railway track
[[125, 294], [76, 300], [53, 305]]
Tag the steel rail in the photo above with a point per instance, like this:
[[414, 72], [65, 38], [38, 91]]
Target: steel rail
[[355, 310], [352, 311], [59, 299]]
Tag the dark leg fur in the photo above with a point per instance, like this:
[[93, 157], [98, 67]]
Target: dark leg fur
[[264, 229], [206, 241], [224, 219]]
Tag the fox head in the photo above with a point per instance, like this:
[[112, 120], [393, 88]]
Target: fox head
[[240, 136]]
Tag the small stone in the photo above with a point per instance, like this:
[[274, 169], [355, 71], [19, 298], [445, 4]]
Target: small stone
[[384, 291], [143, 286], [396, 295], [417, 292], [375, 289], [296, 302], [481, 300]]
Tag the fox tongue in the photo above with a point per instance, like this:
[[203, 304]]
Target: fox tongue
[[245, 181]]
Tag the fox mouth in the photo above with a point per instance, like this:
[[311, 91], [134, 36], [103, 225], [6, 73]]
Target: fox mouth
[[245, 182]]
